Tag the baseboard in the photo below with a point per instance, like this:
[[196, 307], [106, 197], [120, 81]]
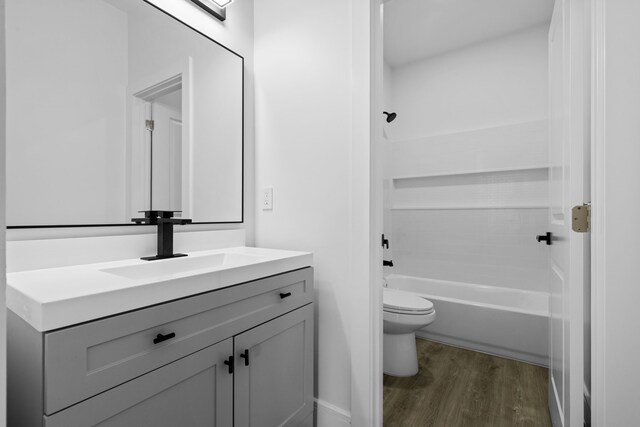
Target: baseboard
[[328, 415], [483, 348]]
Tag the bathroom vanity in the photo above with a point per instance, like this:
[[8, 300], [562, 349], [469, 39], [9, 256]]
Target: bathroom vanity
[[220, 337], [143, 113]]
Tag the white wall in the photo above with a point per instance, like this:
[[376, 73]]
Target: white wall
[[467, 169], [305, 149], [237, 34], [615, 316], [499, 82]]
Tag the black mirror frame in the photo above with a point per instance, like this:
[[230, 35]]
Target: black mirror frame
[[241, 221]]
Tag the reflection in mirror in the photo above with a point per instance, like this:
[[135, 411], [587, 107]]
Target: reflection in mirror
[[114, 107], [166, 155]]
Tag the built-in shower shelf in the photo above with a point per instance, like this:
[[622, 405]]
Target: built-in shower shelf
[[471, 172], [518, 146], [468, 207]]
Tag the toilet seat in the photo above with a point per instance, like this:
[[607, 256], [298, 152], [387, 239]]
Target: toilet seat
[[401, 302]]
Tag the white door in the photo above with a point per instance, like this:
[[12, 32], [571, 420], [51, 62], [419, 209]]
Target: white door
[[568, 184]]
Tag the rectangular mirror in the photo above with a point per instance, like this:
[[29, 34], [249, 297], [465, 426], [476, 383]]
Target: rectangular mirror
[[115, 107]]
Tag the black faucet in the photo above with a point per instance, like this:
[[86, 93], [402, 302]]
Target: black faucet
[[164, 221], [386, 263]]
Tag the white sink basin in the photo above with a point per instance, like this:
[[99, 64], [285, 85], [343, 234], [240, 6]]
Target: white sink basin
[[172, 266], [54, 298]]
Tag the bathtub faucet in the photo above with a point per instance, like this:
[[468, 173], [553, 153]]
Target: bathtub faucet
[[386, 263]]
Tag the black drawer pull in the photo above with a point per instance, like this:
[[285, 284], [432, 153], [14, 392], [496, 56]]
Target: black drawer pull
[[245, 356], [229, 363], [159, 338], [283, 295]]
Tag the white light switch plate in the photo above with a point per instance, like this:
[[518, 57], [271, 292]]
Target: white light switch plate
[[267, 199]]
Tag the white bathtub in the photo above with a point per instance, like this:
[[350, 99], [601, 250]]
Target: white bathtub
[[502, 321]]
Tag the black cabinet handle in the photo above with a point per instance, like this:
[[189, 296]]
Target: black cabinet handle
[[245, 356], [545, 238], [283, 295], [159, 338], [229, 363]]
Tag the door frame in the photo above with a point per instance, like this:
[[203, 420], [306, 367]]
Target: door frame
[[615, 270], [598, 253], [374, 390], [615, 247], [365, 217]]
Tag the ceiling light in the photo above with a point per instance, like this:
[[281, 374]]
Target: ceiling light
[[214, 7], [222, 3]]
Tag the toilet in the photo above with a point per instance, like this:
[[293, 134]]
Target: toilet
[[403, 314]]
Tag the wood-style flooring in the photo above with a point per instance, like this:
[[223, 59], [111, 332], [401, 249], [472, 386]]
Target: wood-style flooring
[[463, 388]]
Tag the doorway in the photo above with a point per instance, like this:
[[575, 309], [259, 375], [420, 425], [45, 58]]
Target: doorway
[[454, 188]]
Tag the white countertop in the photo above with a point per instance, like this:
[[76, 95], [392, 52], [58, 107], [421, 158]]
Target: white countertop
[[54, 298]]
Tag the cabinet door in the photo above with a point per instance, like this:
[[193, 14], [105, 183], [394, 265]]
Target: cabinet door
[[275, 387], [195, 391]]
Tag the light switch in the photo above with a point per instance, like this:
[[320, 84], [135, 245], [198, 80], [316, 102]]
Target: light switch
[[267, 199]]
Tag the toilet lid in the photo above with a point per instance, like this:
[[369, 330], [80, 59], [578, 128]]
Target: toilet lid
[[405, 302]]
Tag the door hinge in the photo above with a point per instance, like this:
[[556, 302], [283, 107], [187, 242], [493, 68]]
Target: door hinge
[[581, 218], [149, 125]]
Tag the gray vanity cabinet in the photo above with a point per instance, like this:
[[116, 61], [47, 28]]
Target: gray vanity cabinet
[[169, 364], [195, 391], [274, 372]]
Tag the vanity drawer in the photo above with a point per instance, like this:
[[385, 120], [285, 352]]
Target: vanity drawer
[[87, 359]]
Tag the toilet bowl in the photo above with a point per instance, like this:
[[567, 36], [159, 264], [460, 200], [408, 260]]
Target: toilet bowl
[[403, 314]]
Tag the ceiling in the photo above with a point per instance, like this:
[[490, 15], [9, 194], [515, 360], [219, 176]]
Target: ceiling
[[418, 29]]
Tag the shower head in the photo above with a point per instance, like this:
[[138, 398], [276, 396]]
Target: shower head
[[390, 116]]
